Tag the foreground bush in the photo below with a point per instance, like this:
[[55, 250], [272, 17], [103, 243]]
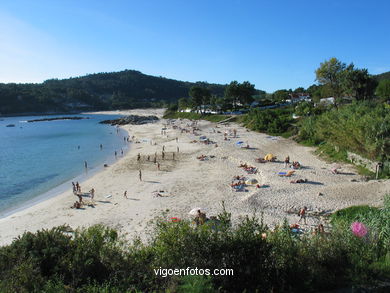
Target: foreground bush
[[98, 260]]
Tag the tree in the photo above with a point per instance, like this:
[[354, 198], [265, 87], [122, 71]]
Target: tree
[[383, 89], [357, 83], [231, 93], [261, 95], [299, 90], [214, 103], [206, 96], [315, 92], [199, 96], [330, 73], [240, 93], [246, 92], [184, 103], [280, 95]]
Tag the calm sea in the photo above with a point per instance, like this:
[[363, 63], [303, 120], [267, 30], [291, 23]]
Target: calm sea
[[39, 157]]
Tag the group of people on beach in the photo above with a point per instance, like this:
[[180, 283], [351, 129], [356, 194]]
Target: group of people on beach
[[77, 191]]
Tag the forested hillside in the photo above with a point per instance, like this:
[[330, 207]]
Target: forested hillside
[[101, 91], [382, 76]]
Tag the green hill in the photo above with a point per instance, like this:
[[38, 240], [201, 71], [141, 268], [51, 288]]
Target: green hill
[[385, 75], [101, 91]]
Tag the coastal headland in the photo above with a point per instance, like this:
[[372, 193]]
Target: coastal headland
[[199, 163]]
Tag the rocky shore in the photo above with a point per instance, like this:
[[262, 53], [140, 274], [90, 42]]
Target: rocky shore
[[131, 119], [57, 118]]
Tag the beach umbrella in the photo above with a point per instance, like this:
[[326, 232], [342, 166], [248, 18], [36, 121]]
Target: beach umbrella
[[251, 181], [194, 211], [359, 229]]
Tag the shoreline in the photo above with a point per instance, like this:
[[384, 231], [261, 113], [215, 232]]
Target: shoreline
[[186, 182], [61, 188]]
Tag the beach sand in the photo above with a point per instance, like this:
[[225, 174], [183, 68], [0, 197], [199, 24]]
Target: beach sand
[[186, 182]]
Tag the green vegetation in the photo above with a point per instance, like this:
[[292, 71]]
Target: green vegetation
[[354, 213], [272, 121], [377, 220], [195, 116], [239, 93], [98, 260], [342, 80], [116, 90], [383, 90], [382, 76], [362, 128]]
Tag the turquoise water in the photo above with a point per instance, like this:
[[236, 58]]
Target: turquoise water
[[38, 157]]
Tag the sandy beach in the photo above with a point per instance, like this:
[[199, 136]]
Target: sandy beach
[[185, 182]]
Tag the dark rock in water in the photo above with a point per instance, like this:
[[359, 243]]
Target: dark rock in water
[[131, 119], [57, 118], [10, 125]]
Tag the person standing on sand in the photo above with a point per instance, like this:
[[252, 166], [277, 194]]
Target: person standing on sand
[[80, 197], [177, 149], [140, 175], [92, 192], [163, 155], [74, 188], [138, 157], [163, 147], [125, 194], [158, 166], [78, 187], [302, 214], [286, 161]]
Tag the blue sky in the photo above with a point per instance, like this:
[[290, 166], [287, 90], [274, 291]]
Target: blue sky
[[273, 44]]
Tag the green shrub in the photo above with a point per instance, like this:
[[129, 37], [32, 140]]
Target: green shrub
[[272, 121], [353, 213], [194, 116], [196, 284], [96, 259]]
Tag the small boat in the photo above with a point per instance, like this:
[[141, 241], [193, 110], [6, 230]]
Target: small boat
[[10, 125]]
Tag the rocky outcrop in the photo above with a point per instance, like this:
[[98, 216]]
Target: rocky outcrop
[[131, 119], [57, 118], [359, 160]]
